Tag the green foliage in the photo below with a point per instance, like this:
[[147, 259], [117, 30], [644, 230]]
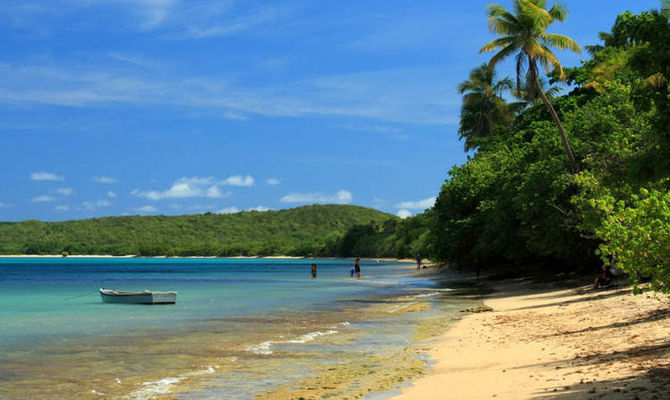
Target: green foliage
[[638, 236], [513, 203], [304, 231], [484, 111], [396, 238]]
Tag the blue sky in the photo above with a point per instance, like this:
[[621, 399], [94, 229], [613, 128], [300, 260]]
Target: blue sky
[[126, 107]]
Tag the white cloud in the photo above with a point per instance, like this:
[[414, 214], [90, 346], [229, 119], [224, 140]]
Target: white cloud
[[196, 187], [341, 197], [404, 214], [46, 176], [228, 210], [272, 181], [64, 191], [147, 209], [233, 210], [42, 199], [94, 205], [238, 180], [111, 194], [62, 208], [417, 205], [104, 179]]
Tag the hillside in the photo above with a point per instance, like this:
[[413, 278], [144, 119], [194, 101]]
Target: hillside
[[308, 230]]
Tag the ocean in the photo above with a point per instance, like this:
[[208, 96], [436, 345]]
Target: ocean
[[241, 328]]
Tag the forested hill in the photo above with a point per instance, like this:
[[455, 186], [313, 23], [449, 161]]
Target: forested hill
[[309, 230]]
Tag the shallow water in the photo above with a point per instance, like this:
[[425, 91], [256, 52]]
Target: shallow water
[[241, 328]]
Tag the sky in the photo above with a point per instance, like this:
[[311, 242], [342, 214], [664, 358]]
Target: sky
[[148, 107]]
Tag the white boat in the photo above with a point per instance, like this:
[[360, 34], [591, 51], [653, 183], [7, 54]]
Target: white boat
[[145, 297]]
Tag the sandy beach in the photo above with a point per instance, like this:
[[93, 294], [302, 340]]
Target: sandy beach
[[543, 342]]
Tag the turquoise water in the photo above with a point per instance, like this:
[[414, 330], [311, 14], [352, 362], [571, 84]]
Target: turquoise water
[[234, 319], [62, 294]]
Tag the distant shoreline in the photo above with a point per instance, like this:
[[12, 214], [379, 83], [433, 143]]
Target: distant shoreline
[[403, 260]]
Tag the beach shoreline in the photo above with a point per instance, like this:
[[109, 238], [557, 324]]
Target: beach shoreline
[[384, 259], [546, 341]]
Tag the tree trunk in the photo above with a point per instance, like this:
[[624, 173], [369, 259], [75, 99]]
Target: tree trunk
[[554, 115]]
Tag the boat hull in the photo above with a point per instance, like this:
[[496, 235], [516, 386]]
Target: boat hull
[[146, 297]]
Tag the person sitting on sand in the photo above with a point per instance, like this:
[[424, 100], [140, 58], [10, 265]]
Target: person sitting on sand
[[313, 270], [606, 277], [357, 268]]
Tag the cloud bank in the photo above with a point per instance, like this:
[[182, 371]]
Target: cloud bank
[[196, 187], [341, 197], [46, 176]]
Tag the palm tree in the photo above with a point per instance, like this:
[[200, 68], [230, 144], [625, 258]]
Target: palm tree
[[523, 33], [527, 95], [484, 109]]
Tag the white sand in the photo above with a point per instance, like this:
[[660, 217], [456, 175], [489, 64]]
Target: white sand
[[553, 344]]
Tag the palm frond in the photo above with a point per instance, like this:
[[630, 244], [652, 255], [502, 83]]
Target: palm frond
[[561, 42], [533, 48], [502, 26], [537, 16], [558, 12], [550, 60], [502, 54], [665, 8], [657, 80], [592, 50], [496, 44]]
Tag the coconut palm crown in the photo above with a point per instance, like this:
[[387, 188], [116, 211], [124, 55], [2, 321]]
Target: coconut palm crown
[[523, 34], [484, 109]]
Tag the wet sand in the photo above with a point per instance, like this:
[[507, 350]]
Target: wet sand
[[543, 342]]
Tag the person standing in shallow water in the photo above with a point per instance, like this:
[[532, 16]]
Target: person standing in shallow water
[[357, 268], [313, 270]]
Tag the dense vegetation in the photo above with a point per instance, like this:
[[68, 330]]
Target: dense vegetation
[[310, 230], [520, 201]]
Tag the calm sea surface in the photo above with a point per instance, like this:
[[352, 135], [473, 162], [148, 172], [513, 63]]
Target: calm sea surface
[[241, 328]]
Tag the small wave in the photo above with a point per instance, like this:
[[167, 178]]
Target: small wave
[[265, 348], [428, 294], [163, 386]]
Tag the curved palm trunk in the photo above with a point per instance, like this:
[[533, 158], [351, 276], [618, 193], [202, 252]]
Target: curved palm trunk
[[554, 116]]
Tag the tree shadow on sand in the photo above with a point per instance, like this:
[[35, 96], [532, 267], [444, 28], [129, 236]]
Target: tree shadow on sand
[[581, 299], [652, 384], [649, 316]]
